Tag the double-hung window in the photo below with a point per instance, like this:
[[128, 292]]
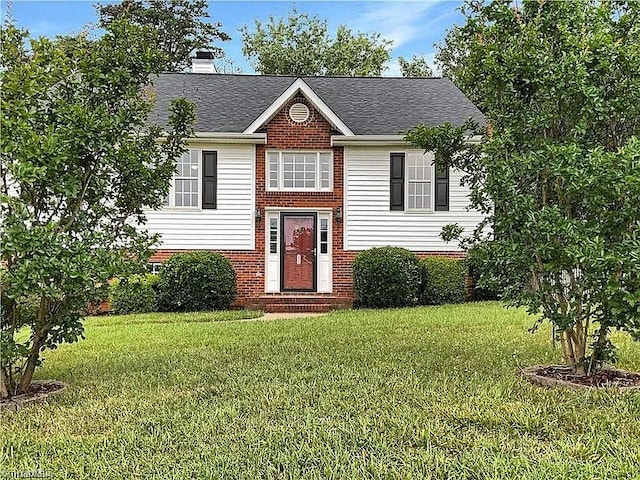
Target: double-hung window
[[419, 182], [186, 180], [194, 184], [415, 185], [299, 171]]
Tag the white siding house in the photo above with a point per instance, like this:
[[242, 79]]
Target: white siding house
[[369, 222], [231, 225]]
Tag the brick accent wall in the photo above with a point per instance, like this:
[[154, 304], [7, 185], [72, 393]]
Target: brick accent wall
[[315, 134], [284, 134]]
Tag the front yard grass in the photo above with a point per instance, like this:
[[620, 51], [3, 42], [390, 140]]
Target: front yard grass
[[409, 393]]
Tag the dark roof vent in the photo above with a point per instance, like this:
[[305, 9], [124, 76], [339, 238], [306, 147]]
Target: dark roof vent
[[204, 55]]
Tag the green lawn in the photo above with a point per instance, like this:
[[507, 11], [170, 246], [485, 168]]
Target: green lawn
[[414, 393]]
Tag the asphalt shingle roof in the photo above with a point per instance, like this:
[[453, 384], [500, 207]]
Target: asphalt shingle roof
[[367, 105]]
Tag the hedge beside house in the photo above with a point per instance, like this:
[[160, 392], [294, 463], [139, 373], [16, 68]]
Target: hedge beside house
[[196, 281], [386, 277], [444, 281], [135, 294], [484, 284]]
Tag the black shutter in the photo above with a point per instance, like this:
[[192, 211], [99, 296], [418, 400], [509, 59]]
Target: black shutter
[[442, 188], [397, 181], [209, 179]]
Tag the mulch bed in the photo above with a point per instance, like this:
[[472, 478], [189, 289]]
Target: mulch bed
[[561, 375], [39, 391]]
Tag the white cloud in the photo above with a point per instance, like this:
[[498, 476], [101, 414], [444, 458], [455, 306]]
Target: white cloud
[[399, 22]]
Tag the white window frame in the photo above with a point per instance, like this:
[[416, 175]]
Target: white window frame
[[172, 188], [318, 180], [426, 156], [154, 267]]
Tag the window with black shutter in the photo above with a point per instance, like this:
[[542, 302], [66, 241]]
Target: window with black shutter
[[397, 181], [209, 179], [442, 188]]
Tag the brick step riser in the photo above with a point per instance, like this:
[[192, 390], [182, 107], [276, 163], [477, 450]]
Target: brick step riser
[[299, 308], [301, 300]]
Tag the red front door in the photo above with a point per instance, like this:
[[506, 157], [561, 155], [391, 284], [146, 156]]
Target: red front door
[[298, 260]]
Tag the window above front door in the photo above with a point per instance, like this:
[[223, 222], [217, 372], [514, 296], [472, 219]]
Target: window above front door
[[299, 171]]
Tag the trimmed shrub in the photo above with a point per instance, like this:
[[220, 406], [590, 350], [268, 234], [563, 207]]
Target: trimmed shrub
[[443, 280], [196, 281], [386, 277], [485, 285], [135, 294]]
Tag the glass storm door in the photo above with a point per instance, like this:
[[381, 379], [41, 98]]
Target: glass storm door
[[298, 252]]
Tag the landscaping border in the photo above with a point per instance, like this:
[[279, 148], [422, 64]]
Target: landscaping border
[[531, 374], [21, 401]]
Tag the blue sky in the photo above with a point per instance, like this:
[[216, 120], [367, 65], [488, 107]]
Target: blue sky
[[413, 26]]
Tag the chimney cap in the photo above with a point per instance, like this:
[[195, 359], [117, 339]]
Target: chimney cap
[[204, 55]]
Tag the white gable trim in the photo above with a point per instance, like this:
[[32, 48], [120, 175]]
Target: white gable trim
[[316, 101]]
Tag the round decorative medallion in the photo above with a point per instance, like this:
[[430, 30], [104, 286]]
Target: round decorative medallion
[[299, 112]]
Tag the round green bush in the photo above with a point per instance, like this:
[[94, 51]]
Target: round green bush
[[386, 277], [480, 270], [196, 281], [135, 294], [443, 280]]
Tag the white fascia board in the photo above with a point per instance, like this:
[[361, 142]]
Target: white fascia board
[[224, 137], [368, 140], [379, 140], [316, 101]]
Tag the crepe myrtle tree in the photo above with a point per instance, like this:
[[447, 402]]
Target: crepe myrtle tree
[[558, 173], [79, 164]]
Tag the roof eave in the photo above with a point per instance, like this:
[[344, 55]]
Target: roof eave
[[229, 137], [379, 140]]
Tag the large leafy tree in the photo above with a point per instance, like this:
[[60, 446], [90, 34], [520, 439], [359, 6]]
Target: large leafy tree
[[301, 45], [79, 165], [180, 25], [559, 172], [416, 67]]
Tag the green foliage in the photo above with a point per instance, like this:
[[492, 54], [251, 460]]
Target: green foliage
[[135, 294], [79, 164], [179, 27], [559, 84], [301, 45], [196, 281], [386, 277], [416, 67], [479, 260], [444, 281]]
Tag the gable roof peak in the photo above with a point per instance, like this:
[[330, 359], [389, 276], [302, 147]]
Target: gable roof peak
[[299, 86]]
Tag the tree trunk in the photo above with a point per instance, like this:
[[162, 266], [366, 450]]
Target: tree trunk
[[30, 366], [4, 384], [574, 350]]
